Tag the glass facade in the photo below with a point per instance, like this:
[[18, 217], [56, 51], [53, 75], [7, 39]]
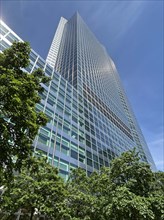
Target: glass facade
[[90, 118]]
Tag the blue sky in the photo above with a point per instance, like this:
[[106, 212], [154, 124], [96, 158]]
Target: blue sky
[[131, 31]]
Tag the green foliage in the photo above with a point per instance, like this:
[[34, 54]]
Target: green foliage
[[80, 201], [128, 171], [128, 190], [37, 187], [126, 205], [19, 121]]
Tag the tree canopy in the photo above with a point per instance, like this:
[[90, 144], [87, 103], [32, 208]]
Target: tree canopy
[[19, 93], [36, 189], [127, 190]]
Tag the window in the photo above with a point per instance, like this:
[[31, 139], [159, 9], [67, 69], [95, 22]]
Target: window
[[48, 70], [95, 158], [49, 101], [56, 78], [74, 147], [64, 150], [63, 174], [89, 162], [52, 97], [40, 63], [4, 45], [3, 30], [49, 112], [63, 165], [88, 143], [96, 166], [74, 154], [45, 131], [72, 166], [57, 146], [12, 38], [66, 130], [106, 164], [56, 162], [74, 135], [65, 141], [43, 139], [33, 56], [50, 159], [89, 154], [101, 161], [52, 143], [59, 108]]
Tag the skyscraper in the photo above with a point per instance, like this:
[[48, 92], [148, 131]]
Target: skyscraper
[[90, 118]]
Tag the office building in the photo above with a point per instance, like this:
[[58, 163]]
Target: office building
[[90, 118]]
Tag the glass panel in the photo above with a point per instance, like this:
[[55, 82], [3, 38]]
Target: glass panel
[[3, 30], [56, 162], [65, 150], [33, 56], [42, 139], [89, 162], [40, 63], [4, 45], [63, 165], [72, 166], [45, 132], [58, 146], [11, 38], [74, 154]]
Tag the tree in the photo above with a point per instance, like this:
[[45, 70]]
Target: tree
[[80, 200], [156, 195], [127, 170], [19, 93], [126, 205], [127, 190], [141, 192], [37, 187]]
